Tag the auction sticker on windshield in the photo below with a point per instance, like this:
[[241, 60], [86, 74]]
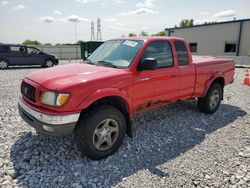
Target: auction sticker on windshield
[[130, 43]]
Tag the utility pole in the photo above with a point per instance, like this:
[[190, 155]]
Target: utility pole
[[75, 33], [99, 33], [92, 37]]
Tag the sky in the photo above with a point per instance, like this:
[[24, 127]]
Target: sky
[[54, 21]]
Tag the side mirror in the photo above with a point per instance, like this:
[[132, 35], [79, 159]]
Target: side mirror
[[148, 64]]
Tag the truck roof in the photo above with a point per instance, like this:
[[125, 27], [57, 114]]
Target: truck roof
[[148, 38]]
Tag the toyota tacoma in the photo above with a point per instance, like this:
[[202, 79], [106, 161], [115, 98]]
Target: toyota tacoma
[[123, 77]]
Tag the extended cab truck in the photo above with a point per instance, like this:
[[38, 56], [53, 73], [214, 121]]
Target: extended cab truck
[[95, 99]]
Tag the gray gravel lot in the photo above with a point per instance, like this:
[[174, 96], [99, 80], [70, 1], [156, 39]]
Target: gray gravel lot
[[175, 146]]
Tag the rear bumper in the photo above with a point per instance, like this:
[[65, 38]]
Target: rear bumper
[[61, 125]]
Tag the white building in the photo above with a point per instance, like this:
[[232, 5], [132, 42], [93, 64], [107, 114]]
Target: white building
[[231, 38]]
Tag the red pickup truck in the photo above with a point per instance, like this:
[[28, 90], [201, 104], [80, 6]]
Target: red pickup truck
[[125, 76]]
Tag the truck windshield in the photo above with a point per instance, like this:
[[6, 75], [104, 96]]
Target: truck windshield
[[116, 53]]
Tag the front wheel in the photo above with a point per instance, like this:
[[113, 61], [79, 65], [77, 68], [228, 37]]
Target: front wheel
[[211, 102], [49, 63], [100, 132]]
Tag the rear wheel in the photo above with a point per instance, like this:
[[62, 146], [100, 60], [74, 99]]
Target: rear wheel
[[3, 64], [211, 102], [100, 132], [49, 63]]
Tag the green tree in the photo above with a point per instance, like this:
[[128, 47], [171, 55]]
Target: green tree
[[210, 22], [48, 44], [160, 33], [132, 35], [186, 22], [143, 33], [31, 42]]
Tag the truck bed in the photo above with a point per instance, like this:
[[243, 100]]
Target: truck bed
[[207, 67], [201, 60]]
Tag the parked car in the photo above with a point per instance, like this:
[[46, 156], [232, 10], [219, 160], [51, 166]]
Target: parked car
[[19, 55], [122, 78]]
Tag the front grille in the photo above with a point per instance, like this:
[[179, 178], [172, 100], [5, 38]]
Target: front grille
[[28, 91]]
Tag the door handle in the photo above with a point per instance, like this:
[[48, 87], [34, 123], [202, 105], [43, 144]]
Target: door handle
[[173, 75], [144, 79]]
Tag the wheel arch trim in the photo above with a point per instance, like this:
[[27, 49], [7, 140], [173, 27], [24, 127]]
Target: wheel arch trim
[[103, 93], [216, 76]]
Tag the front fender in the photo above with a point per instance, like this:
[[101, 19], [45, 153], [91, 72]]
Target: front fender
[[211, 80], [102, 93]]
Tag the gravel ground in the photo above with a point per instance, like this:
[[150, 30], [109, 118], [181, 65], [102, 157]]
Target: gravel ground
[[175, 146]]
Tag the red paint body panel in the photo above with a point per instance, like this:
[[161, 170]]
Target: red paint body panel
[[88, 83]]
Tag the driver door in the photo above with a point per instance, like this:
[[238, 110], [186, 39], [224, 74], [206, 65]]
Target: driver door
[[157, 87], [34, 56]]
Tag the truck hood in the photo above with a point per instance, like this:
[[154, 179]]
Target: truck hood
[[65, 76]]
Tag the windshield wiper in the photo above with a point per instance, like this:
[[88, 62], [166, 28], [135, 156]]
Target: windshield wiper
[[107, 63], [88, 61]]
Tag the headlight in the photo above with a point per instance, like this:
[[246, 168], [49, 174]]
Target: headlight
[[54, 99]]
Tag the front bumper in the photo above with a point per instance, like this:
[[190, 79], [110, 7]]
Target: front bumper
[[56, 125], [56, 61]]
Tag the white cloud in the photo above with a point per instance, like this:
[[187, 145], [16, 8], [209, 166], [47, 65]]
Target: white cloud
[[119, 24], [202, 21], [86, 1], [139, 11], [118, 1], [226, 13], [48, 19], [57, 12], [146, 4], [103, 4], [4, 2], [19, 7], [110, 19], [115, 24], [75, 18], [203, 13], [144, 28], [114, 27]]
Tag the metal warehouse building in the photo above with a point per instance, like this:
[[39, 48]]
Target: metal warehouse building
[[230, 38]]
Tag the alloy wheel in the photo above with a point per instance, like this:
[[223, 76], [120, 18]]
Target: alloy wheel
[[49, 63], [214, 99], [3, 64], [106, 134]]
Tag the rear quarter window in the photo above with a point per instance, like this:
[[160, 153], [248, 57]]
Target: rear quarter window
[[17, 49], [4, 49], [181, 53]]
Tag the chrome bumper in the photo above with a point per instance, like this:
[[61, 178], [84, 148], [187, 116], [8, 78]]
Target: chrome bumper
[[62, 125], [49, 119]]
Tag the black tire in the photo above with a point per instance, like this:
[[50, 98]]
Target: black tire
[[211, 102], [3, 64], [49, 63], [88, 126]]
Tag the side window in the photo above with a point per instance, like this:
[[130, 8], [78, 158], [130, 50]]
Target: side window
[[17, 49], [161, 51], [32, 50], [181, 53]]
